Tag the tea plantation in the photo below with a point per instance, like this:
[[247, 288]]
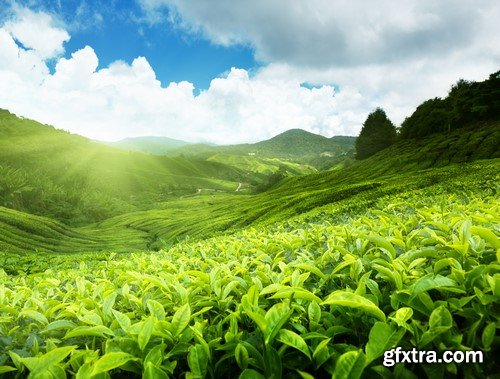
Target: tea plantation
[[321, 295]]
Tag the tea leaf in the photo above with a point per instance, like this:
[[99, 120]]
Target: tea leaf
[[198, 361], [348, 299], [110, 361], [350, 365], [145, 333], [382, 337], [294, 340], [180, 320]]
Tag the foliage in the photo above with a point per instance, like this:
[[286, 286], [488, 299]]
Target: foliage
[[203, 216], [377, 133], [467, 103], [319, 296]]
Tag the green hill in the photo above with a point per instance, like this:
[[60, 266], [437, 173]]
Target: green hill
[[318, 276], [449, 159], [294, 145], [56, 174], [22, 232]]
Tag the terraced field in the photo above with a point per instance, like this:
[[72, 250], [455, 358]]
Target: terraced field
[[321, 295], [203, 216], [316, 277]]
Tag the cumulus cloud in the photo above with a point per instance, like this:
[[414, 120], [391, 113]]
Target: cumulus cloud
[[126, 99], [37, 32], [323, 33], [383, 53], [356, 58]]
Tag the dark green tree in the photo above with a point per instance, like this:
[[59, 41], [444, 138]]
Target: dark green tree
[[468, 104], [432, 116], [378, 132]]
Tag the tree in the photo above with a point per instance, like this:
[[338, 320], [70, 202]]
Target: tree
[[378, 132], [432, 116]]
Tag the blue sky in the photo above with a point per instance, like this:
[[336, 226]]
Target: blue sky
[[121, 32], [233, 71]]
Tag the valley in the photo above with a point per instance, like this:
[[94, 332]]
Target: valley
[[300, 256]]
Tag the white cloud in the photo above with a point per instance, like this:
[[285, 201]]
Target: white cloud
[[311, 45], [127, 99], [37, 31], [383, 53], [325, 33]]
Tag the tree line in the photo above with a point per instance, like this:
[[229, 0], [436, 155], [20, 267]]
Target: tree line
[[468, 103]]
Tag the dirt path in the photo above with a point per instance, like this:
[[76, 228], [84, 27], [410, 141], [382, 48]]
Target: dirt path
[[239, 186]]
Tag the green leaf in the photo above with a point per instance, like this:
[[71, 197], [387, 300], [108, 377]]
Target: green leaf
[[348, 299], [252, 296], [123, 320], [108, 303], [241, 355], [84, 372], [155, 355], [95, 331], [382, 337], [440, 317], [383, 243], [350, 365], [258, 319], [305, 375], [53, 357], [180, 320], [292, 339], [145, 333], [197, 361], [486, 235], [440, 321], [446, 262], [153, 372], [228, 288], [488, 335], [251, 374], [313, 269], [59, 324], [392, 274], [314, 312], [296, 292], [156, 309], [275, 318], [273, 364], [50, 372], [430, 281], [321, 346], [37, 316], [4, 369], [110, 361], [404, 314]]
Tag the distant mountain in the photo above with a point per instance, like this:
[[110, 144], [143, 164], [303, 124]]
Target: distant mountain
[[295, 144], [149, 144], [301, 143], [53, 173]]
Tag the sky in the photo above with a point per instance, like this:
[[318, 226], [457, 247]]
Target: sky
[[234, 71]]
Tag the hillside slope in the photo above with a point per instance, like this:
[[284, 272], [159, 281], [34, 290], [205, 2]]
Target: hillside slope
[[401, 169], [53, 173]]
